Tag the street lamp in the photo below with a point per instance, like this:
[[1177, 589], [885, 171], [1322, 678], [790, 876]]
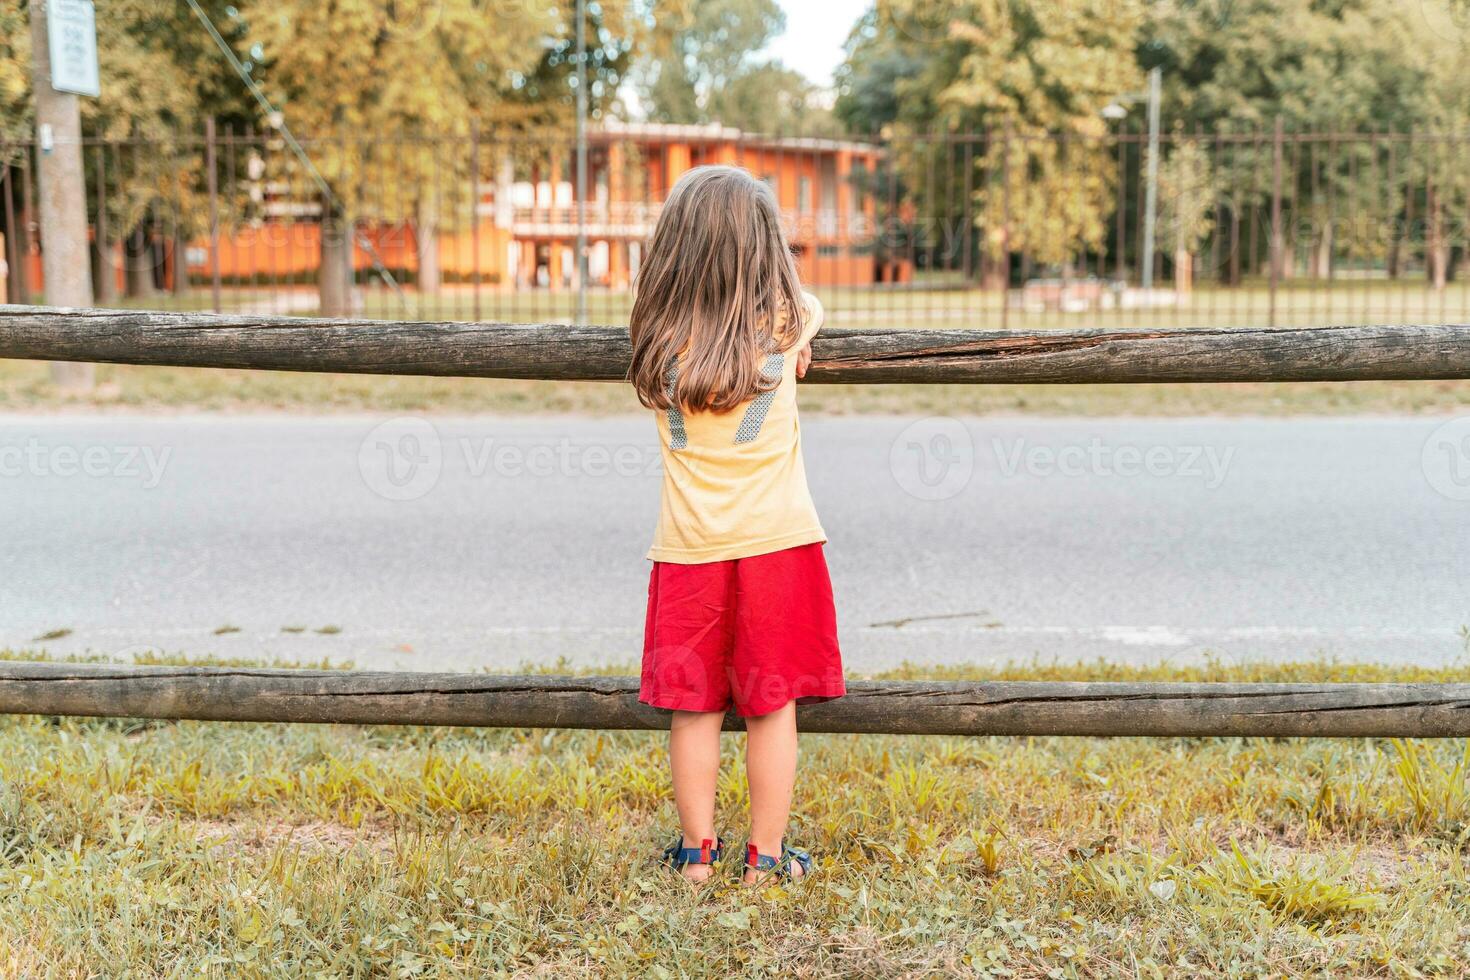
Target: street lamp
[[1118, 109]]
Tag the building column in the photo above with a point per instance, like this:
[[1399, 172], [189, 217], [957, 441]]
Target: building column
[[617, 265], [844, 196], [619, 213], [527, 270], [505, 176], [617, 195], [555, 178], [678, 163]]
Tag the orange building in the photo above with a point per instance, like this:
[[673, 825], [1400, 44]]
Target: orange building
[[819, 183], [527, 228]]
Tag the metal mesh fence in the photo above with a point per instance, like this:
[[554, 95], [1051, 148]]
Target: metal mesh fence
[[990, 230]]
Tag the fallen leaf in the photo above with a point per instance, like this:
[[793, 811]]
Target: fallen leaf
[[1164, 889]]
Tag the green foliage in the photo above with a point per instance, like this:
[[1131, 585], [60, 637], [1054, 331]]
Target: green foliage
[[15, 81], [700, 66], [546, 97], [160, 77], [1359, 65], [1020, 71], [699, 47], [770, 98], [343, 71], [1314, 891], [1354, 64], [989, 64], [1438, 790], [1188, 195], [157, 76], [253, 849], [868, 80], [1020, 68]]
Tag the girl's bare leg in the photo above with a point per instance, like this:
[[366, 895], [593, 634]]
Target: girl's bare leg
[[694, 757], [770, 767]]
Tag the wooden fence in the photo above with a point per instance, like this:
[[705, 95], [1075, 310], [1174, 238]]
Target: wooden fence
[[885, 356], [881, 356], [911, 708]]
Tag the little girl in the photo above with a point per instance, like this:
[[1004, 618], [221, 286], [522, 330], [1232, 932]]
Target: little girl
[[739, 602]]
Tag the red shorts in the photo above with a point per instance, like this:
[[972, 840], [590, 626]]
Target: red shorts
[[754, 632]]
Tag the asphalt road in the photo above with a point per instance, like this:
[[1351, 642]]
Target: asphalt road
[[469, 543]]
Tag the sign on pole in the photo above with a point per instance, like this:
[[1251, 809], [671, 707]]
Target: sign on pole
[[72, 27]]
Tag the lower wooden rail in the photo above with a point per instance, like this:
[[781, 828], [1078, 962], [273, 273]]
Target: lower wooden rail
[[880, 707]]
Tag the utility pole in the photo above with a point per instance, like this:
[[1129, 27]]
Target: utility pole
[[1151, 194], [65, 263], [581, 162]]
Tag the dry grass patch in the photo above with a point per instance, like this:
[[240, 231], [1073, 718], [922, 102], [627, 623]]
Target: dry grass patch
[[24, 386], [256, 836], [271, 850]]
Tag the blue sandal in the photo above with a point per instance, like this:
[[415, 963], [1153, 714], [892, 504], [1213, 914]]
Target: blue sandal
[[781, 866], [676, 855]]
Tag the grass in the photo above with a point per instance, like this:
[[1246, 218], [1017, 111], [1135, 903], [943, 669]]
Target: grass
[[186, 849], [937, 302], [25, 387]]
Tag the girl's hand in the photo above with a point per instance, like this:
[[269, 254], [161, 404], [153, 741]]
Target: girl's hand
[[803, 360]]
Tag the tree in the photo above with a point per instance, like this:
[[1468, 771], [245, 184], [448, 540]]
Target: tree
[[347, 74], [546, 97], [352, 75], [160, 77], [1034, 76], [1187, 197], [698, 48], [771, 98], [1439, 165], [700, 66], [15, 123], [878, 58], [15, 78], [1320, 68]]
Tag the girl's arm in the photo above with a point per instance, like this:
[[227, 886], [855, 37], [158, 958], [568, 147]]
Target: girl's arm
[[814, 324]]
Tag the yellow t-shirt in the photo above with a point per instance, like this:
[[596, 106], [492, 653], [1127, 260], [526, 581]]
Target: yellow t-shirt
[[734, 483]]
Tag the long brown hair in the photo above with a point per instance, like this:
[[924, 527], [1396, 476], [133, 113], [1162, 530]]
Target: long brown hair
[[718, 286]]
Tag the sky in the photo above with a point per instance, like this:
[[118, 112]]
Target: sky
[[815, 32]]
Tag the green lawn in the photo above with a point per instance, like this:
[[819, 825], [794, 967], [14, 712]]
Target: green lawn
[[224, 850], [1299, 303], [24, 386]]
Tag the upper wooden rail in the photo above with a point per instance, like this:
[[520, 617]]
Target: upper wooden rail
[[882, 355], [891, 707]]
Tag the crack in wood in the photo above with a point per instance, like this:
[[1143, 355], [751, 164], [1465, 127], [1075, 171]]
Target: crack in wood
[[621, 693], [999, 349], [1457, 704], [946, 697]]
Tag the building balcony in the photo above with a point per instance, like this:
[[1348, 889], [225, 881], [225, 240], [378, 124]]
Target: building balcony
[[603, 220], [636, 220]]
